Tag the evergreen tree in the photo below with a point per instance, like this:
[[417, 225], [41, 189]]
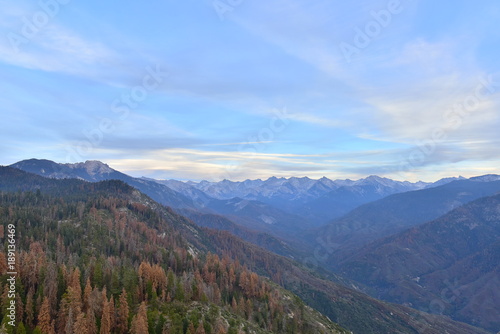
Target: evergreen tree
[[123, 314], [140, 321], [106, 317], [81, 324], [44, 319]]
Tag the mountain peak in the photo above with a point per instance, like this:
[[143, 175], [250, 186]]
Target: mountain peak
[[92, 167]]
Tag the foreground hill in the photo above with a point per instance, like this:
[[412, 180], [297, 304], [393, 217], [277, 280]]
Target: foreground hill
[[115, 244], [451, 264], [104, 258]]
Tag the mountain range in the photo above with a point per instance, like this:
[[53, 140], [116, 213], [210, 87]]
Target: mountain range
[[317, 200]]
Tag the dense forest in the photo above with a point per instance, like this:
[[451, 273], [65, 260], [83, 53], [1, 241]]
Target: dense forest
[[96, 258]]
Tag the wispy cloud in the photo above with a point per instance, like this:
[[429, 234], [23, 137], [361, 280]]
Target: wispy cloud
[[49, 47]]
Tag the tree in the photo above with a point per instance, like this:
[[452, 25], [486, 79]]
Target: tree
[[200, 329], [44, 319], [123, 313], [220, 327], [140, 321], [20, 328], [112, 316], [81, 324], [29, 309], [106, 318], [86, 296], [191, 329], [91, 323]]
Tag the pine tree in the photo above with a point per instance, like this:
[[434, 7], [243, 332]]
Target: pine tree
[[20, 328], [86, 296], [140, 321], [91, 321], [29, 309], [81, 325], [44, 318], [220, 328], [191, 329], [200, 329], [112, 314], [123, 313], [106, 318]]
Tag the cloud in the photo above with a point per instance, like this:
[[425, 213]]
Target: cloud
[[216, 165], [45, 45]]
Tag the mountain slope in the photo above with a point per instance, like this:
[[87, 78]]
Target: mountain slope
[[93, 219], [222, 223], [453, 262], [394, 214], [260, 216]]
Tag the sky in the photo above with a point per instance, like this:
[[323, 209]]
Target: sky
[[243, 89]]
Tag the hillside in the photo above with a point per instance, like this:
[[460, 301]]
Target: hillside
[[222, 223], [451, 263]]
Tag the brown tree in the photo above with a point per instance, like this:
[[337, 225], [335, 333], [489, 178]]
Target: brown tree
[[106, 318], [140, 321], [200, 329], [81, 324], [44, 318], [112, 314], [86, 296], [191, 329], [123, 313], [91, 322]]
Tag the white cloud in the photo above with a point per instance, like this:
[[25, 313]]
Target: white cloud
[[56, 49]]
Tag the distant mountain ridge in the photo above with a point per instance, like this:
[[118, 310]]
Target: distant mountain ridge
[[317, 200], [293, 188]]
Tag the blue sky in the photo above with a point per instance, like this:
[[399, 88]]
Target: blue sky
[[244, 89]]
